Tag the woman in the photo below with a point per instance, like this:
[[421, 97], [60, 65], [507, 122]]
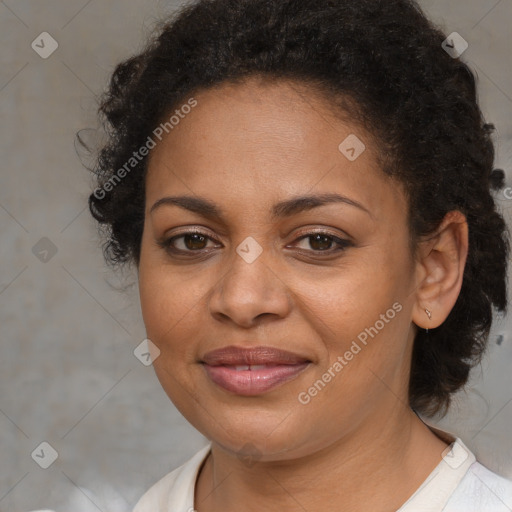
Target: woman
[[305, 191]]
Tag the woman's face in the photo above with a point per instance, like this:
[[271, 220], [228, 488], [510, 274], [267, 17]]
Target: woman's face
[[329, 282]]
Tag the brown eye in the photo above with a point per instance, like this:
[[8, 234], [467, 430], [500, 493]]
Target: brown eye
[[324, 242], [189, 242], [194, 241]]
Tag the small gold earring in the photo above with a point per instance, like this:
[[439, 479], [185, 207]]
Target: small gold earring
[[429, 314]]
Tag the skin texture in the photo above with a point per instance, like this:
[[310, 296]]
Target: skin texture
[[357, 444]]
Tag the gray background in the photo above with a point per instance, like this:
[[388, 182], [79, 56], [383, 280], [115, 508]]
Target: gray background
[[68, 375]]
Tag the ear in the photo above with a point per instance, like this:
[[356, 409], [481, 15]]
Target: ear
[[439, 270]]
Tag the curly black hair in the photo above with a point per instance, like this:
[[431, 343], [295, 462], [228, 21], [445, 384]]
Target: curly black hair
[[383, 61]]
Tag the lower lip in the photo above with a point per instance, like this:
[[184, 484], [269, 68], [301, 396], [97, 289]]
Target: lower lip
[[253, 382]]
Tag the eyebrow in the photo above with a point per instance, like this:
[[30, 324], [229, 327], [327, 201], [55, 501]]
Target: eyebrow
[[283, 209]]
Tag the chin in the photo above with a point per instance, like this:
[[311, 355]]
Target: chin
[[272, 437]]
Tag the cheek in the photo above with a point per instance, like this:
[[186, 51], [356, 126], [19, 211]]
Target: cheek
[[171, 313], [360, 313], [169, 304], [168, 294], [352, 296]]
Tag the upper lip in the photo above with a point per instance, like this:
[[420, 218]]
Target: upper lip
[[233, 355]]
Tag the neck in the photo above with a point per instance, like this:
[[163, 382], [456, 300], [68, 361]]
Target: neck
[[365, 470]]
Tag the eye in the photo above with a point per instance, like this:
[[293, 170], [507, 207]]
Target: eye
[[321, 241], [188, 242]]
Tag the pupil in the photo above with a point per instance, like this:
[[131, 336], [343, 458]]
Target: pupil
[[196, 238], [321, 238]]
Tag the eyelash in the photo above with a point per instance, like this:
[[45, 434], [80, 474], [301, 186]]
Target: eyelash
[[167, 243]]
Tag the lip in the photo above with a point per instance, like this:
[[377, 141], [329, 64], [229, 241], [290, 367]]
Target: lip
[[233, 355], [252, 371]]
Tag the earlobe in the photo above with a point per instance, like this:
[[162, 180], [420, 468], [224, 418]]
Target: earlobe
[[440, 271]]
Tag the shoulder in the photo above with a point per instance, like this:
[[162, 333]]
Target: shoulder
[[175, 491], [481, 490]]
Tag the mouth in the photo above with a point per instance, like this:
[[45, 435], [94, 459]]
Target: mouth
[[252, 371]]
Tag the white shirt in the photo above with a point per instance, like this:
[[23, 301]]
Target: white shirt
[[457, 484]]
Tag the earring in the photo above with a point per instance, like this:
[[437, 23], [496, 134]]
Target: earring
[[429, 314]]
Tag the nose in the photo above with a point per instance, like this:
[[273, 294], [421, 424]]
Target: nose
[[249, 292]]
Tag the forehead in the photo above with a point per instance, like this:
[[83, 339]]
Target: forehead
[[267, 138]]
